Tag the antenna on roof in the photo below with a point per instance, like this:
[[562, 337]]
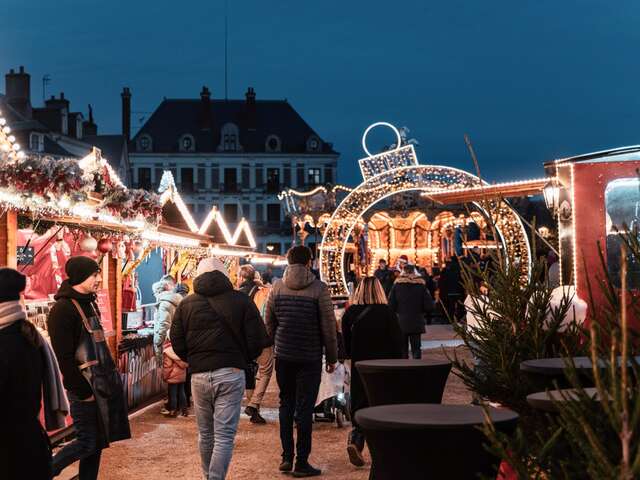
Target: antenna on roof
[[226, 44]]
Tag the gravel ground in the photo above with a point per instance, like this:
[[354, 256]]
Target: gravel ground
[[164, 448]]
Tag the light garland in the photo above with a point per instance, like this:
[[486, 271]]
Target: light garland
[[8, 146], [243, 226], [161, 237], [395, 172], [170, 194]]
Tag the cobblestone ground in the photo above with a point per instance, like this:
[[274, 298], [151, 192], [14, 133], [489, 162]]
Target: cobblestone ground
[[164, 448]]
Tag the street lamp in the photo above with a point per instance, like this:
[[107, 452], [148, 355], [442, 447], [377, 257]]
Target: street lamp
[[551, 193]]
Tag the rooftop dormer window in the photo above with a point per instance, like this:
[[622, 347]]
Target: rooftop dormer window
[[313, 144], [229, 138], [145, 144], [187, 143], [273, 144]]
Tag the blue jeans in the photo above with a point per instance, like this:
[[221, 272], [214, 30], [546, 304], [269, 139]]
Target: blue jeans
[[87, 445], [217, 397]]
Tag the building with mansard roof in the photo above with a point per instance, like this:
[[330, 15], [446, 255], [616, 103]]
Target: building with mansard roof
[[236, 155]]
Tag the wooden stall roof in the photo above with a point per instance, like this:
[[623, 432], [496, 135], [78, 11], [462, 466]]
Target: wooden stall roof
[[504, 190]]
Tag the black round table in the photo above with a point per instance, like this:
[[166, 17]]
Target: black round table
[[547, 401], [388, 382], [546, 373], [428, 441]]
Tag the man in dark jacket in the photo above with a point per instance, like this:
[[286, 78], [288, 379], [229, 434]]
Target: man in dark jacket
[[384, 276], [301, 321], [94, 387], [411, 301], [217, 330]]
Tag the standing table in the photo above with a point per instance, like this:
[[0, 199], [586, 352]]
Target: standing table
[[395, 381], [430, 441]]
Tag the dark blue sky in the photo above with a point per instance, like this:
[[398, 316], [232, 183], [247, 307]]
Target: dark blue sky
[[528, 80]]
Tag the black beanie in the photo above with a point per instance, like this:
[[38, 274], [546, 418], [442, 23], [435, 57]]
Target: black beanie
[[78, 269], [12, 283]]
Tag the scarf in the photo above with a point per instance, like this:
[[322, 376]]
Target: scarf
[[11, 312]]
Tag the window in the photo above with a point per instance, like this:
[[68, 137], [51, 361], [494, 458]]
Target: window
[[259, 179], [215, 178], [201, 178], [286, 180], [145, 143], [273, 180], [246, 211], [159, 171], [186, 182], [273, 144], [229, 138], [36, 142], [300, 176], [328, 175], [186, 143], [259, 213], [230, 212], [144, 178], [230, 180], [313, 176], [273, 213], [246, 178]]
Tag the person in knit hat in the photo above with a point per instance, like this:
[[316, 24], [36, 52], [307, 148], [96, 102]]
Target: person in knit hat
[[24, 449], [94, 386], [217, 331]]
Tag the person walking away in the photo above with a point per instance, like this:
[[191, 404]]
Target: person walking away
[[411, 301], [452, 292], [256, 386], [167, 301], [384, 276], [217, 330], [94, 386], [174, 372], [301, 321], [370, 331], [24, 445]]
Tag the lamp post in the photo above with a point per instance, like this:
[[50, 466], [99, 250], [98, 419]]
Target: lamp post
[[551, 193]]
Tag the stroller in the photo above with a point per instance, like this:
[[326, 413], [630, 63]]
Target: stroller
[[333, 401]]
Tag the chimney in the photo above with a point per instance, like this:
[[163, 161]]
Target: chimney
[[58, 113], [18, 91], [206, 120], [88, 126], [250, 108], [126, 113]]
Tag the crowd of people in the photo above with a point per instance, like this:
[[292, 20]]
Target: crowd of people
[[217, 345]]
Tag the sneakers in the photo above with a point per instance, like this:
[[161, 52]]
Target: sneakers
[[254, 415], [303, 470], [355, 455]]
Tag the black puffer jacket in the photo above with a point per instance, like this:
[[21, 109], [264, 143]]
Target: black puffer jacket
[[411, 301], [198, 335], [300, 317]]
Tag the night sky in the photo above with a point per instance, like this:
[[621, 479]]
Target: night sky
[[529, 81]]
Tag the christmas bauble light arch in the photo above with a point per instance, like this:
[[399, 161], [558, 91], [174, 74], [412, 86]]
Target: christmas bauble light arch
[[397, 171]]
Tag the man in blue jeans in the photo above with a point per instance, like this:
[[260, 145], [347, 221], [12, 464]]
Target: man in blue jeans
[[217, 330], [300, 318]]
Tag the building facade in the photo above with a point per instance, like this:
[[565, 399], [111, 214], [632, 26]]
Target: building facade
[[234, 154]]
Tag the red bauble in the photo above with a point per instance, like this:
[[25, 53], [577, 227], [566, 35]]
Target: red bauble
[[105, 245]]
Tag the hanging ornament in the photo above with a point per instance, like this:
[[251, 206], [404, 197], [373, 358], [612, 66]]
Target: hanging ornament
[[88, 244], [105, 245], [122, 250]]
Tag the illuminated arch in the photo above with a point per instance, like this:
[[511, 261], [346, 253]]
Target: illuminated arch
[[398, 171]]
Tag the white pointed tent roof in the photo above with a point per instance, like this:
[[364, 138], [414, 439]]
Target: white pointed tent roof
[[243, 226], [169, 192]]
